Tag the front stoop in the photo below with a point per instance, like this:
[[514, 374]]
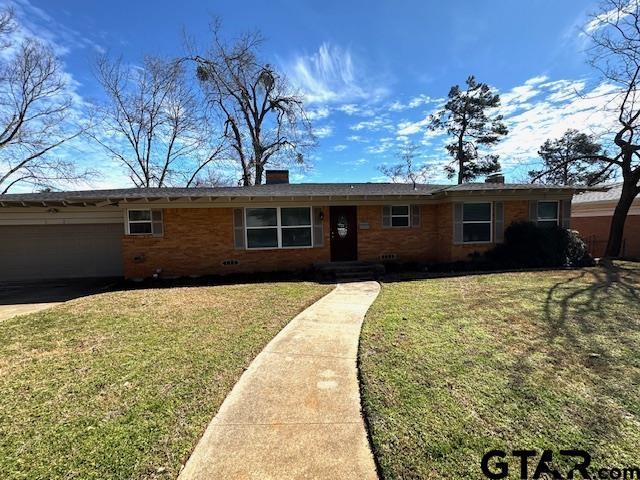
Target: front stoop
[[295, 412], [349, 271]]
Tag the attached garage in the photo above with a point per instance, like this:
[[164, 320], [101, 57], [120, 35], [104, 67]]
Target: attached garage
[[60, 251]]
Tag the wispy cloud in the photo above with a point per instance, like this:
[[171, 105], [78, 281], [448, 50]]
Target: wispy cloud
[[323, 131], [318, 113], [379, 123], [564, 104], [601, 20], [415, 102], [331, 75]]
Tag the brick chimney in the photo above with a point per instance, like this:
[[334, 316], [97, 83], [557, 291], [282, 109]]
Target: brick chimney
[[497, 177], [277, 176]]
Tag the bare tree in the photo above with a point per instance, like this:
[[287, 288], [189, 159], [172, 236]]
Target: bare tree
[[407, 171], [153, 123], [615, 53], [264, 120], [36, 113]]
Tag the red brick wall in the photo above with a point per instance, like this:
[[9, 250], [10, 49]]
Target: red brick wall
[[595, 231], [197, 240], [516, 210], [408, 243]]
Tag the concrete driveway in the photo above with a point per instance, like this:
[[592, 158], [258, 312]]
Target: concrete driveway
[[18, 298]]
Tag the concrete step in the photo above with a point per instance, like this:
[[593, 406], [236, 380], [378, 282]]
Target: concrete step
[[349, 271]]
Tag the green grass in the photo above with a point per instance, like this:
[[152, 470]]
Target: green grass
[[454, 367], [122, 385]]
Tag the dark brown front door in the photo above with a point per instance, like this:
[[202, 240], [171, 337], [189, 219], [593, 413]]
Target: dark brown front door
[[344, 234]]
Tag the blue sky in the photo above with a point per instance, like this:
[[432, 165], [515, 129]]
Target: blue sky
[[371, 72]]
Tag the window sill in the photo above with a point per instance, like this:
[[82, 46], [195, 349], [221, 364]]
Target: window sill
[[259, 249], [473, 243], [142, 235]]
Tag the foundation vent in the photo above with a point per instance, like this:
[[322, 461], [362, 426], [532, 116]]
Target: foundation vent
[[230, 262], [387, 256]]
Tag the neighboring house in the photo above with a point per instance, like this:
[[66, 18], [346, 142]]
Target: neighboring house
[[591, 216], [136, 233]]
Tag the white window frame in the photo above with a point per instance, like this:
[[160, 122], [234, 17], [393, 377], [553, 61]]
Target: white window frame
[[407, 216], [490, 222], [548, 220], [128, 221], [279, 227]]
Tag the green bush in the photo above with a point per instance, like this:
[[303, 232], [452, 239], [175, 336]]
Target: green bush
[[529, 245]]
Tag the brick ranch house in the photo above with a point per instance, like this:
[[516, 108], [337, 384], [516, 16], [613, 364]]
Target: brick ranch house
[[591, 216], [137, 233]]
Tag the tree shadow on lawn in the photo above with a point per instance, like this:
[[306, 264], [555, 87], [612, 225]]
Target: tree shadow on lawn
[[590, 334], [590, 294]]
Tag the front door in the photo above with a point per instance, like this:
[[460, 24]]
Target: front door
[[344, 234]]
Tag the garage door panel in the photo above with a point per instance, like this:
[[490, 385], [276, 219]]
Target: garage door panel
[[60, 251]]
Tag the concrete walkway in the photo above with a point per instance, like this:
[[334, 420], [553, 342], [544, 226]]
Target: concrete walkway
[[295, 412]]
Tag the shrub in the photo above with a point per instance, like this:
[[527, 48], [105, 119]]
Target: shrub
[[529, 245]]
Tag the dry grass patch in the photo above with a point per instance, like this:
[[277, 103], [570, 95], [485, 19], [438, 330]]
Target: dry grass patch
[[121, 385]]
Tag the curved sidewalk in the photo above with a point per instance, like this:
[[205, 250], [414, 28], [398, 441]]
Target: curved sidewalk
[[295, 412]]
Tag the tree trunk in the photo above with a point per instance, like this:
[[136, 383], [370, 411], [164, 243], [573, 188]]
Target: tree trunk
[[259, 170], [616, 232]]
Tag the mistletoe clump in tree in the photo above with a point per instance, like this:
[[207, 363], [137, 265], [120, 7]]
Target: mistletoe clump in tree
[[468, 117], [264, 119]]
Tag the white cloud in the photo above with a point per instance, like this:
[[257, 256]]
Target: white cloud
[[411, 128], [318, 113], [534, 111], [340, 148], [378, 123], [383, 145], [331, 75], [610, 16], [359, 110], [323, 132], [562, 106], [414, 102], [356, 162]]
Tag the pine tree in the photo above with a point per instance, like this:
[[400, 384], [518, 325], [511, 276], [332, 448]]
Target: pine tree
[[467, 117], [571, 160]]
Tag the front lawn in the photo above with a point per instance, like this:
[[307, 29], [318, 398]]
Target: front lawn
[[121, 385], [454, 367]]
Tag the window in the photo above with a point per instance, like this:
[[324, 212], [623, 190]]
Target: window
[[288, 227], [548, 213], [296, 227], [262, 227], [144, 222], [476, 222], [400, 216]]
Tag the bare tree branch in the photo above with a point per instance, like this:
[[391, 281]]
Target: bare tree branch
[[35, 114], [263, 120], [614, 32], [407, 171], [153, 123]]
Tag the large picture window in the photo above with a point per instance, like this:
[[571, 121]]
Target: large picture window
[[548, 213], [476, 222], [144, 222], [281, 227]]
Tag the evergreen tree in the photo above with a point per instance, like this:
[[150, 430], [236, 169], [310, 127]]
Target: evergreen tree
[[467, 117], [571, 160]]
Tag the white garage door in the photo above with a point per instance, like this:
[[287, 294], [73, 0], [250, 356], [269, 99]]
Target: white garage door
[[60, 251]]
